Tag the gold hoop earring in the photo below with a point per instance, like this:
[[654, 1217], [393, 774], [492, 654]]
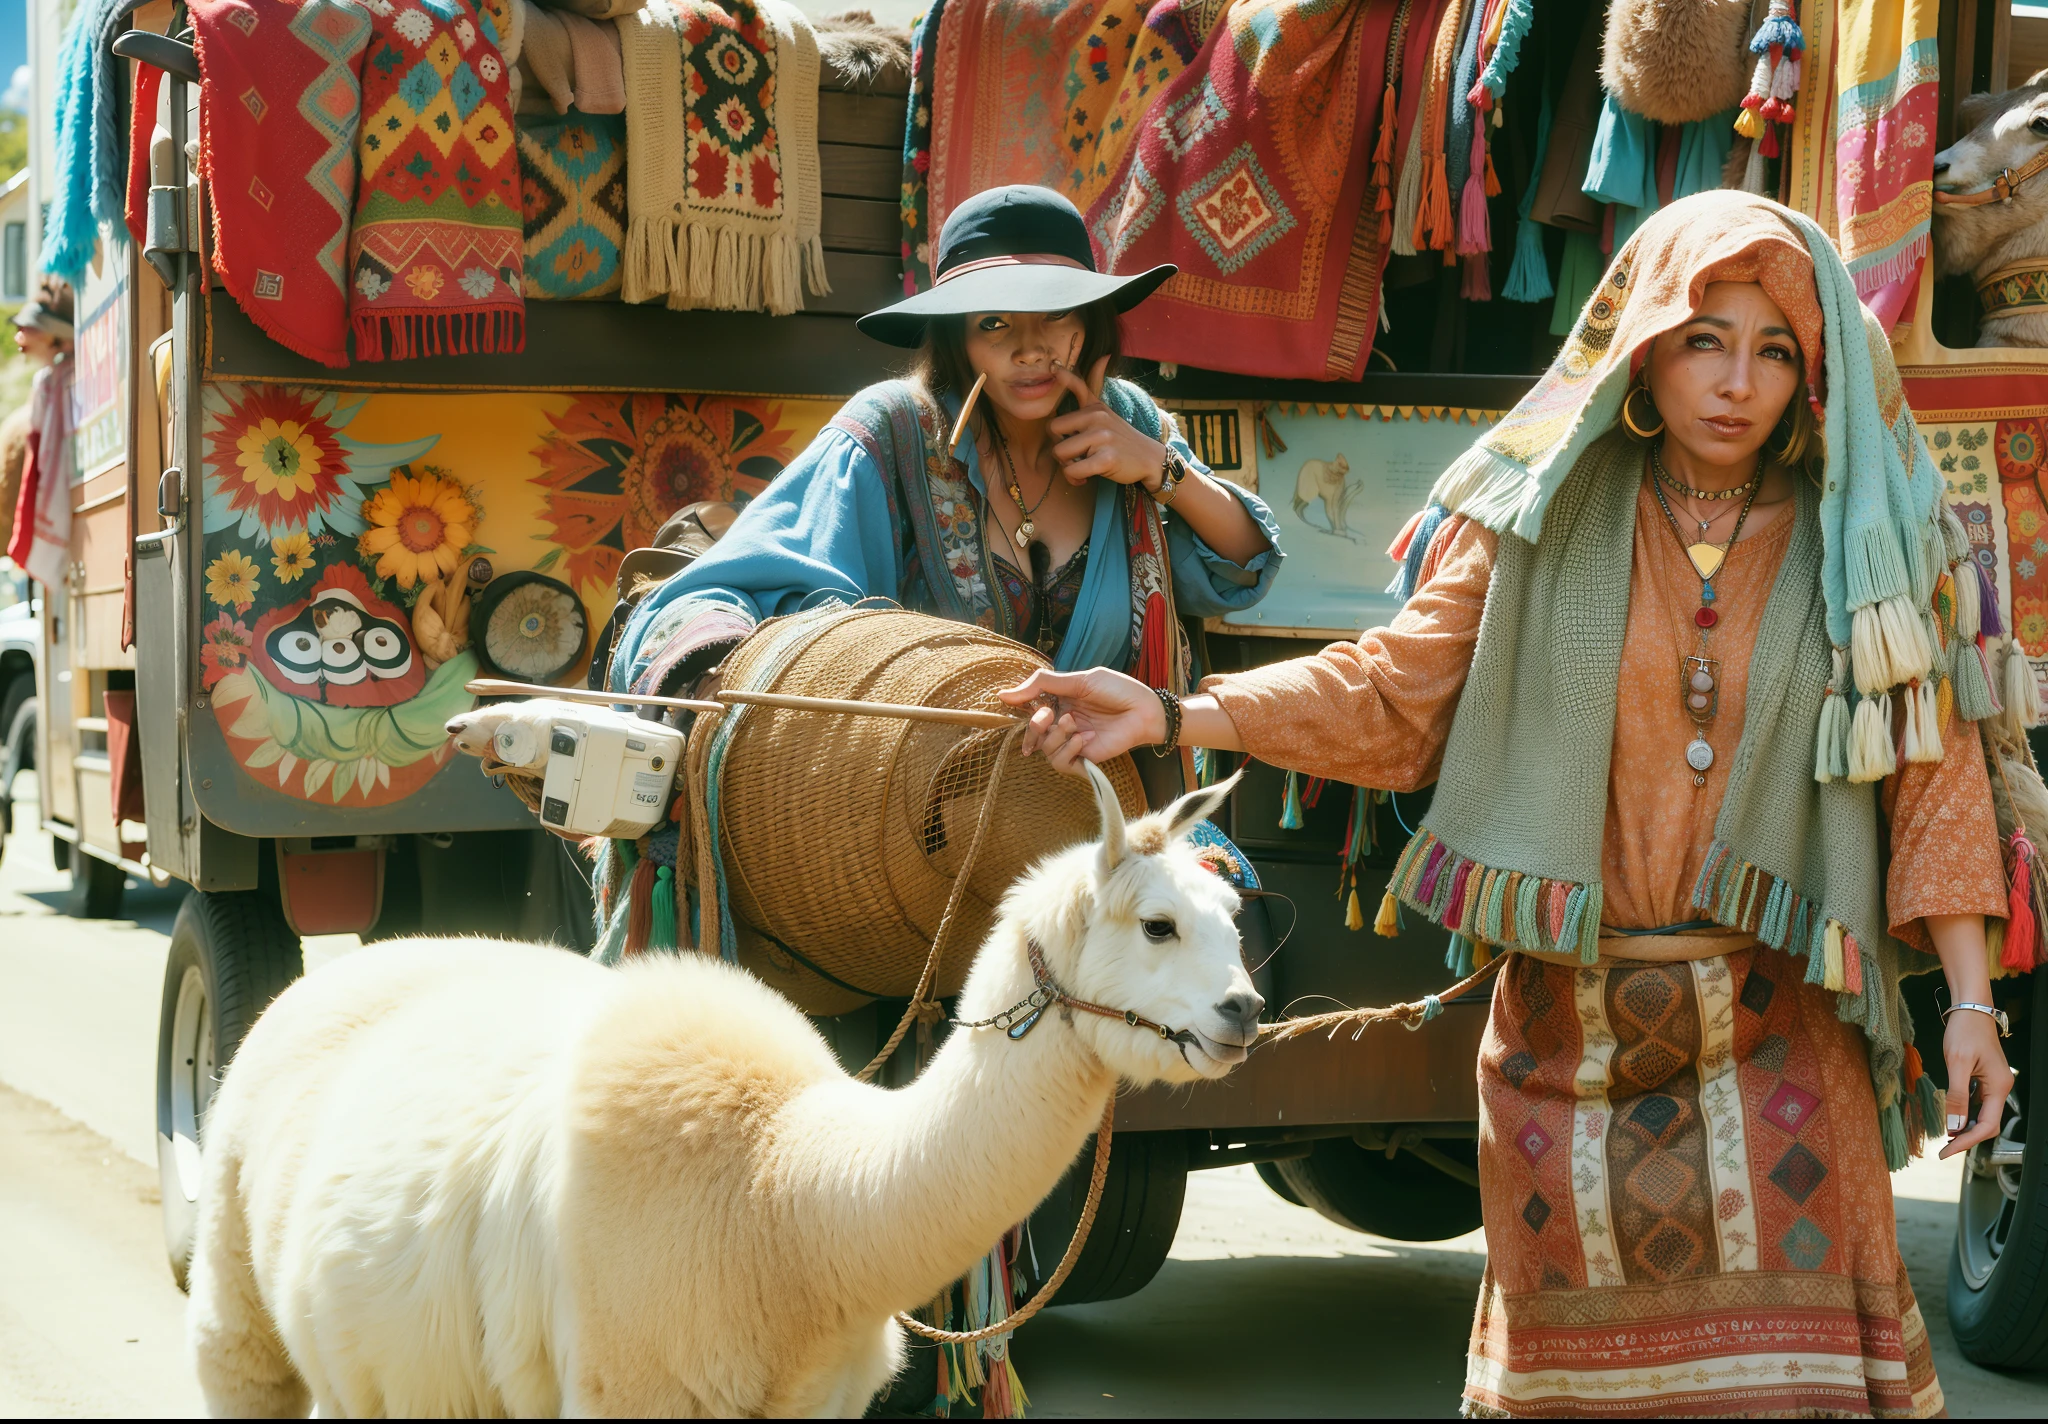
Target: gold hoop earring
[[1628, 418]]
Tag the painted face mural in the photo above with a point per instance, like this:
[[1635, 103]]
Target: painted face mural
[[343, 646]]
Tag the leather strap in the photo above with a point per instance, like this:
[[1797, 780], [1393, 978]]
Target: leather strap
[[2001, 188]]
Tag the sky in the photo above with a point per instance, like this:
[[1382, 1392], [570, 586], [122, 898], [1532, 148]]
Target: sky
[[14, 53]]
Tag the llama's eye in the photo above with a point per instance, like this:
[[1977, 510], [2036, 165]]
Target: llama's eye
[[1158, 930], [2040, 125]]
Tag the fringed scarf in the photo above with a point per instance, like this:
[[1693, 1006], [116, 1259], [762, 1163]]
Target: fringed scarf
[[436, 253]]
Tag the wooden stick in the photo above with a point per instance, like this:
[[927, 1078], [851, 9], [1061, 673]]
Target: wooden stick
[[966, 409], [496, 687], [960, 717]]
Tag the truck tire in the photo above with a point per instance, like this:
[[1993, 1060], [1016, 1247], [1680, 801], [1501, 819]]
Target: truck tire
[[97, 887], [1404, 1199], [1269, 1173], [231, 954], [1134, 1225], [1998, 1271]]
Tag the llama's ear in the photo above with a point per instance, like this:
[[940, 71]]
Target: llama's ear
[[1111, 810], [1200, 804]]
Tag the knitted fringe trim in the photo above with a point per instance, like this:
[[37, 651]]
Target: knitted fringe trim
[[699, 265], [1747, 898], [1491, 906], [405, 336]]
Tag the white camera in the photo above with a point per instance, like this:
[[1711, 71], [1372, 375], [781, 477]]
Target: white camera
[[607, 779]]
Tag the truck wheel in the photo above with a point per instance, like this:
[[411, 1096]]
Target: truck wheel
[[1269, 1173], [231, 954], [1404, 1199], [97, 887], [1998, 1273], [1134, 1225]]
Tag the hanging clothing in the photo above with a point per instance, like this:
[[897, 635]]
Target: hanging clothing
[[1623, 167], [41, 538]]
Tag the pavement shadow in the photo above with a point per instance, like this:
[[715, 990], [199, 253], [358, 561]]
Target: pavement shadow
[[1367, 1336], [144, 905]]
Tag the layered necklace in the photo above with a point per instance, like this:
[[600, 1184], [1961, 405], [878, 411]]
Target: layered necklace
[[1027, 529], [1699, 673]]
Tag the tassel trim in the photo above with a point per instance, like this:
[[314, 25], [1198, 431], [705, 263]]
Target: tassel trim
[[1496, 907], [396, 336], [1747, 898]]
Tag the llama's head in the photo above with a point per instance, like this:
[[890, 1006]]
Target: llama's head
[[2007, 131], [1139, 921]]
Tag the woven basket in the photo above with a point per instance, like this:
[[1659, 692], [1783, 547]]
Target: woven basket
[[842, 835]]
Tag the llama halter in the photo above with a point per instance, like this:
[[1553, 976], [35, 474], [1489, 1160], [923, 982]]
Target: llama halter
[[2001, 188], [1023, 1016]]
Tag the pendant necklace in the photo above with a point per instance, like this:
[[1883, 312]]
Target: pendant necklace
[[1026, 529], [1698, 674]]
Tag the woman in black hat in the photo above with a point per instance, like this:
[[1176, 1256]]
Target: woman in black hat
[[1009, 482]]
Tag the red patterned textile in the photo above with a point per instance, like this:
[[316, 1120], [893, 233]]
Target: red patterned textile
[[1250, 172], [436, 253], [277, 125], [1687, 1204]]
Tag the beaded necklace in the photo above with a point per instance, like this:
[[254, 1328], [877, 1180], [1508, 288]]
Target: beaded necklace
[[1698, 673]]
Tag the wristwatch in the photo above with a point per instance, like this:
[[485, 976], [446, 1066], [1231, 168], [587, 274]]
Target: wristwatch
[[1172, 470], [1997, 1016]]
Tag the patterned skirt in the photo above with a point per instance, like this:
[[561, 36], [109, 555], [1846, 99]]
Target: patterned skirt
[[1687, 1207]]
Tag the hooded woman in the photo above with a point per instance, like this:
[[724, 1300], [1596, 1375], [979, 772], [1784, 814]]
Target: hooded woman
[[1685, 628]]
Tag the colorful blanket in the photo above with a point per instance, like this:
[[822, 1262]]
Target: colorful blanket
[[917, 154], [1887, 91], [277, 125], [1250, 173], [435, 254], [572, 171], [725, 198], [1050, 92]]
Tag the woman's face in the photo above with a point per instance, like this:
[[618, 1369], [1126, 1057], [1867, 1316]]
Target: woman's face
[[38, 345], [1723, 380], [1016, 351]]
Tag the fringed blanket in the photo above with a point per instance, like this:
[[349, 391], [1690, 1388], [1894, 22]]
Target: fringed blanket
[[1250, 173], [917, 153], [277, 125], [1050, 92], [1887, 78], [572, 171], [1686, 1204], [435, 254], [724, 197]]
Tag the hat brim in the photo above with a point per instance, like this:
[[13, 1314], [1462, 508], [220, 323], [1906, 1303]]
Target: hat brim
[[1025, 287]]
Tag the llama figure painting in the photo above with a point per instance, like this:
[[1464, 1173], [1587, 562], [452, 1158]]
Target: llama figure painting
[[478, 1178]]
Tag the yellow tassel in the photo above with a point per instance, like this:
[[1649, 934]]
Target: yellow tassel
[[1354, 918], [1482, 955], [1388, 923], [1944, 707], [1748, 124], [1832, 970]]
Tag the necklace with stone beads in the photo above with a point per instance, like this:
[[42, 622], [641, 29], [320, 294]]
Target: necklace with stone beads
[[1027, 528], [1699, 674]]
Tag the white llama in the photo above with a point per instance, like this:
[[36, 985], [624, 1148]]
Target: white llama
[[464, 1177], [2008, 131]]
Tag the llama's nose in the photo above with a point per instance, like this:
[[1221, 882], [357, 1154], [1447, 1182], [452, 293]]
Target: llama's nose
[[1241, 1008]]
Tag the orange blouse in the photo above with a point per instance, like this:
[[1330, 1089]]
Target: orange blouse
[[1377, 713]]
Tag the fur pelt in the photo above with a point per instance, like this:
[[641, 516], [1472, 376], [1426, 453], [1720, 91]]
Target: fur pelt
[[1677, 61], [860, 53]]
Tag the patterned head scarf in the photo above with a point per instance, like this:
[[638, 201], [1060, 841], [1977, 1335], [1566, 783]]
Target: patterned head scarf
[[1881, 507]]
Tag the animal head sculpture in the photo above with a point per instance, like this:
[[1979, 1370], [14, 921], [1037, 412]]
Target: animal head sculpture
[[1138, 921], [2007, 132]]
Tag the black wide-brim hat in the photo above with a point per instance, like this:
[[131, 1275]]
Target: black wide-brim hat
[[1019, 248]]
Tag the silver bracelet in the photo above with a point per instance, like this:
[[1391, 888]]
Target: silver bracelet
[[1996, 1015]]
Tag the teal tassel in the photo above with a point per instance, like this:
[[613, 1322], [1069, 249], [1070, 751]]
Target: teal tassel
[[1529, 278], [1831, 745], [1891, 1126], [1933, 1102], [661, 929], [1496, 902], [1528, 920], [1974, 702], [1796, 943], [1290, 806], [1777, 910], [1574, 913], [1458, 958], [1817, 951]]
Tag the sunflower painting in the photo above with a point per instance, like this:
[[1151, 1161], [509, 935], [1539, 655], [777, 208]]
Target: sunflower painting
[[277, 462], [420, 526], [616, 466], [291, 556], [231, 580]]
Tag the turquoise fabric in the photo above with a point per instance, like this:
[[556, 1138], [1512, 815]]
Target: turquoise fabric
[[1702, 151], [829, 529], [1577, 275], [1622, 169]]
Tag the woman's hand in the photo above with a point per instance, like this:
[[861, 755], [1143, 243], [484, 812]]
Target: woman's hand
[[1969, 1045], [1094, 716], [1095, 440]]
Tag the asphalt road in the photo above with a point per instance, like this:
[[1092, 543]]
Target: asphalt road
[[1265, 1309]]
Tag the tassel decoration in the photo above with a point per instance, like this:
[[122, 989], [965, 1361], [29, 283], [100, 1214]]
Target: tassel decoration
[[1474, 232], [1388, 923], [661, 928], [1870, 740], [1290, 805], [1915, 743], [1969, 601], [1383, 164], [1974, 699], [2022, 693], [2020, 951], [1891, 1130]]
